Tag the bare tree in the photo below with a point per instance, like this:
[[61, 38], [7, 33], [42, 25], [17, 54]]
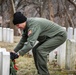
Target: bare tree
[[72, 2], [68, 15], [51, 10], [61, 11]]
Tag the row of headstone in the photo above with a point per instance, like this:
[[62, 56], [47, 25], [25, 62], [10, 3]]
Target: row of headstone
[[4, 62], [61, 55], [61, 50], [66, 52], [6, 35]]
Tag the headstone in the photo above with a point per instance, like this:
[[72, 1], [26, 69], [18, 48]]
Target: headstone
[[11, 36], [4, 34], [52, 55], [0, 63], [1, 51], [30, 52], [0, 33], [70, 33], [61, 56], [5, 63], [71, 55], [19, 31], [8, 35], [75, 34], [64, 28]]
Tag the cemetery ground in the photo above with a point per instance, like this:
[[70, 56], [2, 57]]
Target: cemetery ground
[[26, 63]]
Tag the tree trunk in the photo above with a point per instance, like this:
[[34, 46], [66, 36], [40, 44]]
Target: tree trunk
[[51, 10], [12, 11], [68, 15]]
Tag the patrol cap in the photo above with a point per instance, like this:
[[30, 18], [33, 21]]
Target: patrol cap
[[18, 18]]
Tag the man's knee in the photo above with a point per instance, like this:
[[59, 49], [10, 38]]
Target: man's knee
[[39, 50]]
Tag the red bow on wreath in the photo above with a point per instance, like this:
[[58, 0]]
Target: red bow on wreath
[[15, 66]]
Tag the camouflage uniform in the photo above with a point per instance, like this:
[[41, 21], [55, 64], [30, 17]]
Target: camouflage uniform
[[49, 34]]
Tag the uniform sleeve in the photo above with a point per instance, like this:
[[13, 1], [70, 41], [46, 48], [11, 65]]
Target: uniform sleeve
[[33, 34], [21, 42]]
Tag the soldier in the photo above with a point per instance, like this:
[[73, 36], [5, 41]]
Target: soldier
[[49, 34]]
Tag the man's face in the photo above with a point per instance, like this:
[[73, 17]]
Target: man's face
[[21, 25]]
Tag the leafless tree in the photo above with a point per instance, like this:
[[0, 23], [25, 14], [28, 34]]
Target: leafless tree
[[62, 12]]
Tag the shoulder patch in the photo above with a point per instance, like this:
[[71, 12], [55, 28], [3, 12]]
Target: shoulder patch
[[29, 32]]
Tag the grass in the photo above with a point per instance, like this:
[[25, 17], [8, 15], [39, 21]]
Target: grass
[[26, 64]]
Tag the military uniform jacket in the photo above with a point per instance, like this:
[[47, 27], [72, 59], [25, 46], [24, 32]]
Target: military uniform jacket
[[35, 29]]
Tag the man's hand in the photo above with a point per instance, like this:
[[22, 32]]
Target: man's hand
[[13, 56]]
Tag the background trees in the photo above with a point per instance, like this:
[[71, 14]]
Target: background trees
[[62, 12]]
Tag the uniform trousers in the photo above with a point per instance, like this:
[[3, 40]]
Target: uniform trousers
[[42, 50]]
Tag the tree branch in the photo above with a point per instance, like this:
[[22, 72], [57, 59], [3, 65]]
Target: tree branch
[[68, 15], [72, 3]]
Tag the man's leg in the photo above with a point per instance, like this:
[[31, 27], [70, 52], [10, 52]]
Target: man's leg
[[35, 55], [34, 50], [43, 50]]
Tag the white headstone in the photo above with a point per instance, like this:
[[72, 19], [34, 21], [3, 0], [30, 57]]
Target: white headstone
[[30, 52], [52, 55], [19, 31], [11, 36], [1, 51], [0, 33], [61, 56], [4, 34], [70, 33], [8, 35], [5, 63], [64, 28], [71, 55], [0, 63], [75, 34]]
